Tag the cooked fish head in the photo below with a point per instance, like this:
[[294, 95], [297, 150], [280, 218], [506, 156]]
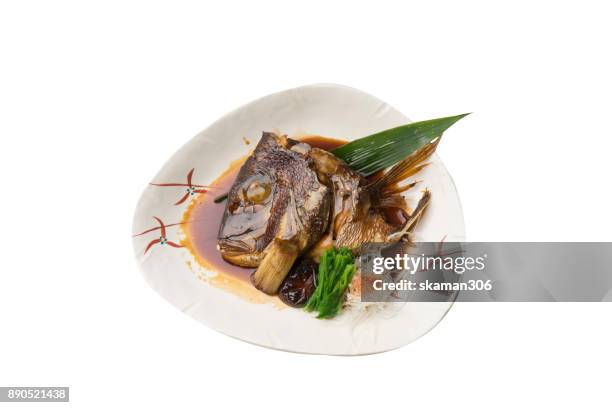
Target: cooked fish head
[[276, 201]]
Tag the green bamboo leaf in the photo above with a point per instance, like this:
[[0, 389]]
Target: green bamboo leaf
[[381, 150]]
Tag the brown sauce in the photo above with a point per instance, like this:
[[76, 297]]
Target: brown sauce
[[203, 217], [202, 221], [322, 142]]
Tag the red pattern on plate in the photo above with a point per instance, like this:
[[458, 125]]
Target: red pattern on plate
[[162, 240], [192, 189]]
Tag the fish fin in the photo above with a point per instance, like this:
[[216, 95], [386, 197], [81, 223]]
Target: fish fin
[[418, 212], [400, 189], [404, 169], [413, 218], [275, 266]]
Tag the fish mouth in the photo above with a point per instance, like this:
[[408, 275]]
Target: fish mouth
[[239, 253]]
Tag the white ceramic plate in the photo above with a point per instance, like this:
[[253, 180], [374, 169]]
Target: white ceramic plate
[[329, 110]]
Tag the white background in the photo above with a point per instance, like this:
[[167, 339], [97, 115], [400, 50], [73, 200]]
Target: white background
[[94, 97]]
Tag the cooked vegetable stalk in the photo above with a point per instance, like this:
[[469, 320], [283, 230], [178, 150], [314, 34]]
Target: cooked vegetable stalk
[[275, 266], [336, 271], [381, 150]]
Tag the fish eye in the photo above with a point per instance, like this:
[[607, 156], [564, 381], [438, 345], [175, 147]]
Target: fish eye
[[257, 191]]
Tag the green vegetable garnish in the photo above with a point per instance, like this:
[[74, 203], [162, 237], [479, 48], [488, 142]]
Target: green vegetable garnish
[[221, 198], [382, 150], [336, 271]]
